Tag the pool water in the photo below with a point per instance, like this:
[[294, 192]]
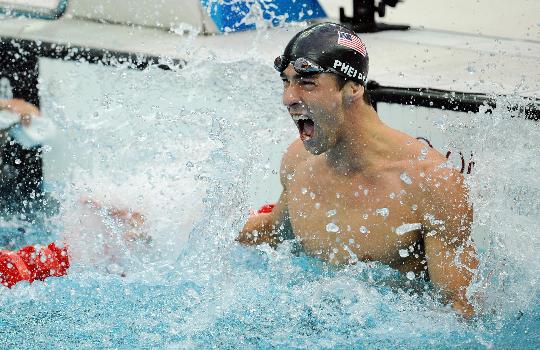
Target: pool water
[[193, 150]]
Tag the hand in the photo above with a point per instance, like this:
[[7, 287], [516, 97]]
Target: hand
[[133, 220], [24, 109]]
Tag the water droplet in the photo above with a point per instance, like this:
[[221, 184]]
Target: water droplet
[[365, 216], [471, 69], [410, 275], [405, 178], [414, 207], [351, 241], [382, 212], [289, 176], [331, 212], [312, 195], [403, 253], [303, 190], [401, 74], [363, 229], [431, 233], [17, 161], [366, 191], [332, 227], [392, 195], [356, 194], [423, 153], [338, 195], [408, 228], [317, 205]]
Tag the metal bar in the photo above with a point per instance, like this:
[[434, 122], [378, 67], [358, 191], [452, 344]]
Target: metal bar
[[92, 55], [444, 99]]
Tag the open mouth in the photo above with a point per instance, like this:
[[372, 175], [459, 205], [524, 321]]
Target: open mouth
[[306, 127]]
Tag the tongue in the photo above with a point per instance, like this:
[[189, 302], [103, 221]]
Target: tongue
[[308, 130]]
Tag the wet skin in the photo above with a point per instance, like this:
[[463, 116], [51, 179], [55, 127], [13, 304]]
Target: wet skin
[[356, 189]]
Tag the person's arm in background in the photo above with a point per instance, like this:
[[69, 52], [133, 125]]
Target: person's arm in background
[[132, 221], [450, 251], [24, 109]]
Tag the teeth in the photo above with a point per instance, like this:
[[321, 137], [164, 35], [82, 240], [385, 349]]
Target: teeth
[[299, 117]]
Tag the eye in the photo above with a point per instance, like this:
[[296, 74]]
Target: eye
[[307, 82]]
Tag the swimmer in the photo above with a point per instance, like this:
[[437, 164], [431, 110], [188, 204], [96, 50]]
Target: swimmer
[[355, 189]]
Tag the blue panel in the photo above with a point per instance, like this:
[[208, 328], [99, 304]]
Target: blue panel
[[242, 15]]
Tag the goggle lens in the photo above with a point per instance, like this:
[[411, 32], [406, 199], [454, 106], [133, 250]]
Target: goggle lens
[[301, 65], [281, 63], [305, 66]]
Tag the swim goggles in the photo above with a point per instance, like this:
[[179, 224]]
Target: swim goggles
[[301, 65]]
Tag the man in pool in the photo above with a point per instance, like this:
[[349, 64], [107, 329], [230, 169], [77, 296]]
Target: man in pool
[[355, 189]]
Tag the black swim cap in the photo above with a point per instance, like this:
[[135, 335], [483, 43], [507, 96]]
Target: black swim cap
[[331, 46]]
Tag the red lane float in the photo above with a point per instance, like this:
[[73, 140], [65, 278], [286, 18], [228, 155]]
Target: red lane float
[[265, 209], [30, 264]]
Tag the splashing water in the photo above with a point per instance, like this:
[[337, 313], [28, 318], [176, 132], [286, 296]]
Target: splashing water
[[196, 287]]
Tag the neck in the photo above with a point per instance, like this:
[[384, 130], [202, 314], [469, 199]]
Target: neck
[[360, 143]]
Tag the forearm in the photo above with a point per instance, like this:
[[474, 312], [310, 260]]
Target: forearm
[[453, 275]]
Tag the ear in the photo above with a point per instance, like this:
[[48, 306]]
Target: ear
[[352, 92]]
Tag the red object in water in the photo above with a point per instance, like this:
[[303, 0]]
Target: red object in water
[[29, 264], [265, 209]]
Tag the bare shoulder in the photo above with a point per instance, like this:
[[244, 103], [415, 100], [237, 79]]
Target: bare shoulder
[[441, 176], [295, 155], [435, 179]]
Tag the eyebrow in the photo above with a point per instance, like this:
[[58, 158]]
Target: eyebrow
[[298, 76]]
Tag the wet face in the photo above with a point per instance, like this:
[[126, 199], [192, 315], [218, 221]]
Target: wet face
[[315, 104]]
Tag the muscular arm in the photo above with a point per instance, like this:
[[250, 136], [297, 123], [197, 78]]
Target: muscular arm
[[267, 228], [450, 251]]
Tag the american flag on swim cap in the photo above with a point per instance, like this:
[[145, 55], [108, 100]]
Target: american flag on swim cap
[[352, 41]]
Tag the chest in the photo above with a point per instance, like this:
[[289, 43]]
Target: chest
[[336, 218]]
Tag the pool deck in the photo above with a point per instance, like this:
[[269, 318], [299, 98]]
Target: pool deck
[[414, 58]]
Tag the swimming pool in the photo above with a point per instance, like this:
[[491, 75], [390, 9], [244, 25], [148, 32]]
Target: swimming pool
[[194, 149]]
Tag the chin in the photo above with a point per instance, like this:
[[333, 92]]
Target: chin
[[312, 147]]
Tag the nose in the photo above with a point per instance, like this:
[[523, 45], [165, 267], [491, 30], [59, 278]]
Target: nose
[[291, 96]]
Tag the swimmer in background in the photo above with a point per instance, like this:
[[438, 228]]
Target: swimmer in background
[[355, 189], [20, 167]]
